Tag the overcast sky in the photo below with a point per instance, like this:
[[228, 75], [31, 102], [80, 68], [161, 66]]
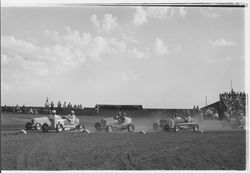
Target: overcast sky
[[155, 56]]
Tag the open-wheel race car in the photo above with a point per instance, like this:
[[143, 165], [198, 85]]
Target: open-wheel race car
[[176, 124], [115, 123], [59, 124]]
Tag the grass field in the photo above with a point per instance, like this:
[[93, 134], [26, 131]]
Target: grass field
[[185, 150]]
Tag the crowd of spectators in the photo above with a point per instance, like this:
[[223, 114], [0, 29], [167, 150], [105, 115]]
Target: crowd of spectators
[[60, 105], [20, 109], [235, 103]]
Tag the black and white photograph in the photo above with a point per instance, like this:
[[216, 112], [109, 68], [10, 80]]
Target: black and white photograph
[[124, 86]]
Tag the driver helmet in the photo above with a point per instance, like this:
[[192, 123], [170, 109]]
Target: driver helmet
[[53, 111], [72, 112]]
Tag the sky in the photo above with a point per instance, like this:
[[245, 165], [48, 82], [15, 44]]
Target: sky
[[158, 57]]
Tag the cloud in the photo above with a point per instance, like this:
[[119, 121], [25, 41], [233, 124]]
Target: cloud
[[128, 77], [160, 47], [209, 12], [159, 12], [218, 60], [67, 51], [4, 59], [125, 77], [136, 54], [182, 12], [108, 23], [221, 43], [4, 87], [95, 21], [140, 16], [22, 55]]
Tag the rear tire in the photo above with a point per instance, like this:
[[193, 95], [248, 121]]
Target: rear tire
[[196, 127], [28, 126], [166, 127], [109, 129], [97, 126], [59, 128], [131, 128], [155, 126], [45, 127]]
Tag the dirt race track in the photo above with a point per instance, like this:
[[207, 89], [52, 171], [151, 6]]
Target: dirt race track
[[185, 150]]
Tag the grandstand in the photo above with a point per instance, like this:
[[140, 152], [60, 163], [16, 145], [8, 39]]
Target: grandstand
[[231, 104]]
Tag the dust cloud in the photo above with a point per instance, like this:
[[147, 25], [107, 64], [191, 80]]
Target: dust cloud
[[217, 125], [145, 123]]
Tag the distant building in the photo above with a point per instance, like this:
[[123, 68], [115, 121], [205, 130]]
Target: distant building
[[100, 107]]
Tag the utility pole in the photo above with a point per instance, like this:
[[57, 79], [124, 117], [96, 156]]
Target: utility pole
[[231, 85], [206, 100]]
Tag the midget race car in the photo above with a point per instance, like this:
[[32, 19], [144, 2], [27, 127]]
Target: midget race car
[[45, 124], [115, 123], [176, 124]]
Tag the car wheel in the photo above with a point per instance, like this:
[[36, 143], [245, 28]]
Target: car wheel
[[155, 126], [80, 127], [45, 127], [176, 129], [59, 128], [109, 129], [38, 126], [196, 128], [161, 123], [131, 128], [28, 126], [166, 127], [97, 125]]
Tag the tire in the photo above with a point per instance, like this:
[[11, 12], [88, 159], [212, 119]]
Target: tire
[[109, 129], [38, 126], [131, 128], [45, 127], [28, 126], [166, 127], [80, 127], [176, 129], [161, 123], [155, 126], [98, 125], [59, 128], [196, 127]]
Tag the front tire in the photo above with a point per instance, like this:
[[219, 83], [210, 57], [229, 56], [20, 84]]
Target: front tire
[[45, 127], [79, 127], [97, 126], [131, 128], [196, 127], [109, 129], [166, 127], [28, 126]]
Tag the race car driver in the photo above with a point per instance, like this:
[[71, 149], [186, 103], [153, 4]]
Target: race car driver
[[54, 118], [188, 119], [72, 117]]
